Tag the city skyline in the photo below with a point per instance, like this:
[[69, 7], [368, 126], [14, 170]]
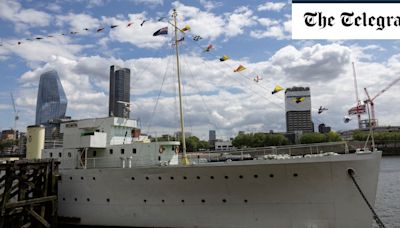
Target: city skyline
[[253, 34]]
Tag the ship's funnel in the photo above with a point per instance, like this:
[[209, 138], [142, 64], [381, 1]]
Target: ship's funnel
[[35, 143]]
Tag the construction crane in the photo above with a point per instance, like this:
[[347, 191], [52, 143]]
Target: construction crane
[[16, 117], [358, 109], [370, 101]]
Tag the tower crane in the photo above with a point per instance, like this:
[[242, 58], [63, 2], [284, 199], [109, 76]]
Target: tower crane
[[370, 101], [16, 117], [358, 109]]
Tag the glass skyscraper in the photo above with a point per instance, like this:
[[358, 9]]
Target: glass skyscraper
[[51, 100], [119, 98]]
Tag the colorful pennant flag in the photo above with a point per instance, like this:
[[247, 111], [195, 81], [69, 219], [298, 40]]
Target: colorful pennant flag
[[141, 24], [129, 24], [186, 28], [224, 58], [208, 48], [98, 30], [162, 31], [240, 68], [197, 38], [277, 89], [113, 26]]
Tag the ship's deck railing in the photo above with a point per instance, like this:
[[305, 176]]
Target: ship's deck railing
[[252, 153], [104, 162]]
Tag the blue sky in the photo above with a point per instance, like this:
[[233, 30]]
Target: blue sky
[[256, 34]]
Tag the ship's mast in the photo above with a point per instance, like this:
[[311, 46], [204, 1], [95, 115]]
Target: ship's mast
[[185, 160]]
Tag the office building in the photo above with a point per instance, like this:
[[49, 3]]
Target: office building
[[298, 110], [51, 100], [212, 137], [119, 98]]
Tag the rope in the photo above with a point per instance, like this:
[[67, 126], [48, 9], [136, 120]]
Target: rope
[[375, 216]]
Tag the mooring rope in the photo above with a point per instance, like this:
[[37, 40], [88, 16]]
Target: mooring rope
[[375, 216]]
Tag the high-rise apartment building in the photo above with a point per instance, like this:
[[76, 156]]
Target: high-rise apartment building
[[298, 110], [119, 98], [212, 138], [51, 100]]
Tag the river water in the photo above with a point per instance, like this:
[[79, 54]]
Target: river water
[[387, 203]]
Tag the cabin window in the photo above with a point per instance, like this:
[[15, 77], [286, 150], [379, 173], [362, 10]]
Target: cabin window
[[134, 150], [159, 158], [111, 151], [69, 154], [59, 155], [122, 151], [51, 155], [94, 153]]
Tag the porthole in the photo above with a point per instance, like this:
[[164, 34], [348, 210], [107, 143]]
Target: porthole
[[147, 178], [108, 200], [145, 201], [245, 201], [63, 198], [183, 201], [255, 176], [203, 200], [212, 177], [94, 178], [81, 178], [241, 177], [224, 200], [295, 174], [271, 175], [159, 178], [184, 177], [163, 201], [226, 177], [70, 178], [76, 199], [87, 199], [132, 178], [171, 178], [198, 178]]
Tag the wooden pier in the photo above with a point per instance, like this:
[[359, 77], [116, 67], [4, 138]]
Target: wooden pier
[[28, 193]]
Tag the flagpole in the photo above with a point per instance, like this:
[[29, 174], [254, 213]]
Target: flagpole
[[185, 160]]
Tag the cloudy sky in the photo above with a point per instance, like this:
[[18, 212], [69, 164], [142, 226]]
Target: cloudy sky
[[256, 34]]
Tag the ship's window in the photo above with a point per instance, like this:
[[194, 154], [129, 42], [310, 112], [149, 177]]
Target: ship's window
[[108, 200], [122, 151], [59, 155], [87, 199], [76, 199], [172, 178], [81, 178], [163, 201], [198, 177], [94, 178], [255, 176], [226, 177], [111, 151], [245, 200], [94, 153], [241, 177], [183, 201], [271, 175], [159, 158], [147, 178], [295, 174], [203, 200], [134, 150], [184, 177], [70, 178], [63, 198], [145, 201], [212, 177], [51, 155], [132, 178], [69, 154], [224, 200], [159, 178]]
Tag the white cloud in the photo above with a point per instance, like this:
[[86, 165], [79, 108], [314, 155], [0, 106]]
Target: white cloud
[[150, 2], [23, 18], [209, 5], [278, 29], [78, 22], [271, 6], [240, 18]]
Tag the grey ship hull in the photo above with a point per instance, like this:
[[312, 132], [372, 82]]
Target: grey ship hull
[[302, 192]]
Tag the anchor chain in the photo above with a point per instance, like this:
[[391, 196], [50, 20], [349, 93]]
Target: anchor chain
[[375, 216]]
